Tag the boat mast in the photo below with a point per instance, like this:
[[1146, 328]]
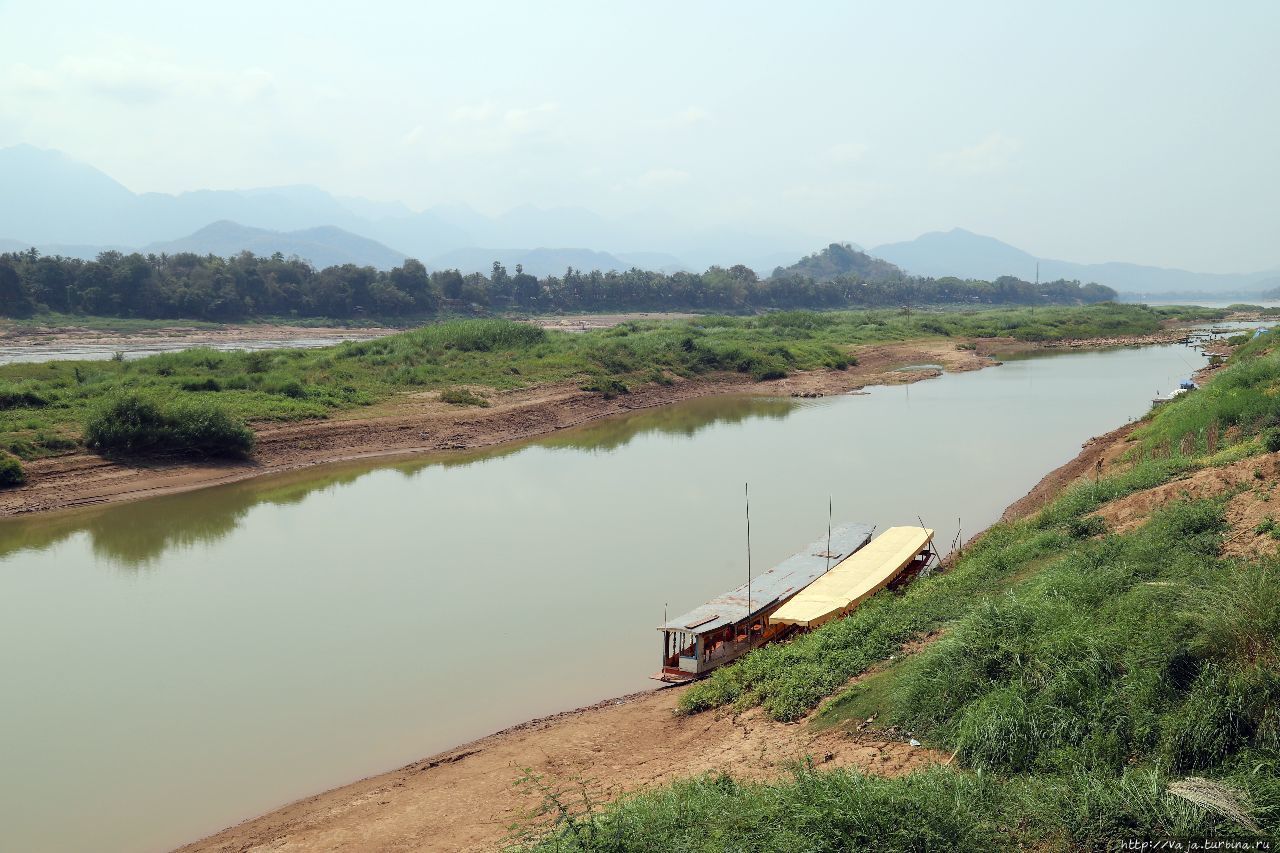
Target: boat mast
[[746, 494], [828, 568]]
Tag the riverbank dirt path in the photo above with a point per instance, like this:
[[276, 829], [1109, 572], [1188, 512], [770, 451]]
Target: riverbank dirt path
[[468, 798]]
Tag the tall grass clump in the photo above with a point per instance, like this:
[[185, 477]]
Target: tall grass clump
[[462, 397], [941, 808], [137, 424], [11, 471], [479, 335], [13, 397]]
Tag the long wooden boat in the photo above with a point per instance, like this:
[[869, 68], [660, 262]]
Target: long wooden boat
[[733, 623], [895, 552]]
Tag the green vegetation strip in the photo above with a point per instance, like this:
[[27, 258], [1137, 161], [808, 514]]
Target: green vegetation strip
[[1092, 687], [46, 408]]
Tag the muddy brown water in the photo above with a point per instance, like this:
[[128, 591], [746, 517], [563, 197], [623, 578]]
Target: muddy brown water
[[175, 665]]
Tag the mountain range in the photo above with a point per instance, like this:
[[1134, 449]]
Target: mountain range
[[51, 200], [62, 206], [964, 254]]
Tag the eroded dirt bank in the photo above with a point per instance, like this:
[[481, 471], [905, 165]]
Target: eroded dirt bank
[[419, 422], [468, 798]]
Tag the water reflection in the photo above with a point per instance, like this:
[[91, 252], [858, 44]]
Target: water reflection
[[136, 535], [683, 421]]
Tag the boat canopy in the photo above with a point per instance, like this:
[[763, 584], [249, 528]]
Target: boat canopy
[[768, 588], [855, 579]]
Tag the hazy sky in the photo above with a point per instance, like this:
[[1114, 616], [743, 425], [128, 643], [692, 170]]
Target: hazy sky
[[1147, 132]]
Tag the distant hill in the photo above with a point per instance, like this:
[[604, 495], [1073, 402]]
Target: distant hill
[[323, 247], [964, 254], [660, 261], [65, 250], [51, 199], [840, 259], [540, 262]]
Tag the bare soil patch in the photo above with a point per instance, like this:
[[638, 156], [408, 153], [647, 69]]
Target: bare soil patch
[[467, 799], [1253, 480]]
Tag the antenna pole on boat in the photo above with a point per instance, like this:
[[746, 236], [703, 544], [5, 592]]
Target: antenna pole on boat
[[828, 533], [746, 494], [932, 547]]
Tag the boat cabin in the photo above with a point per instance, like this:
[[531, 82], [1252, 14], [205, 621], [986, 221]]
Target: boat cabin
[[733, 623]]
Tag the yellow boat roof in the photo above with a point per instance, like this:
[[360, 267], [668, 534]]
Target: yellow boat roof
[[855, 578]]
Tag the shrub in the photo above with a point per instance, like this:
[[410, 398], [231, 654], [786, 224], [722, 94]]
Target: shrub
[[257, 362], [17, 398], [477, 336], [11, 471], [462, 397], [286, 387], [607, 386], [1083, 528], [1271, 440], [137, 424], [768, 373]]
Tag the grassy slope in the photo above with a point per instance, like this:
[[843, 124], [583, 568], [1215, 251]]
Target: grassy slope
[[1079, 676], [43, 407]]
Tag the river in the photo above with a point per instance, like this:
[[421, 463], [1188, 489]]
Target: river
[[178, 664], [130, 349]]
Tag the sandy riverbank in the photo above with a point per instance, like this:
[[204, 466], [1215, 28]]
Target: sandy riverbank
[[468, 798]]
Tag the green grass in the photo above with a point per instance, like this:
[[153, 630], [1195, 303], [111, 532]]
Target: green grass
[[942, 808], [43, 407], [1242, 401], [139, 424]]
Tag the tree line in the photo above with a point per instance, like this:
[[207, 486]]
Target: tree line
[[208, 287]]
